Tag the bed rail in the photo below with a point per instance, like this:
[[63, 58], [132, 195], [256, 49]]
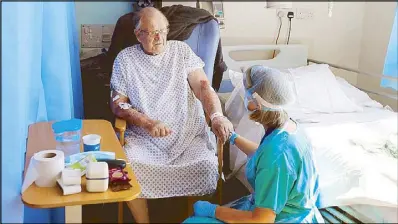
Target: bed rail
[[383, 94]]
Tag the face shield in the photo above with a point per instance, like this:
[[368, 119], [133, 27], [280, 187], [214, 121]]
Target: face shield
[[278, 89], [260, 103]]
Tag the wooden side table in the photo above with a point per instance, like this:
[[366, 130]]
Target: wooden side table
[[40, 137]]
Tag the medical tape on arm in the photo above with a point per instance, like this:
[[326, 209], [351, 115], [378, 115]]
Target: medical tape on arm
[[115, 98], [125, 106], [216, 114]]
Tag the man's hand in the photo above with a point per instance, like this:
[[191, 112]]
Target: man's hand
[[222, 127], [158, 129]]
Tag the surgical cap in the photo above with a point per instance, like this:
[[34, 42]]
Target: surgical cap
[[272, 85]]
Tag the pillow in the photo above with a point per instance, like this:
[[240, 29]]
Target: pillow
[[318, 91], [357, 96]]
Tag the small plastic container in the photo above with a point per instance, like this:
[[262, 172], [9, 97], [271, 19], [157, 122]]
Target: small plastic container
[[67, 134], [97, 177]]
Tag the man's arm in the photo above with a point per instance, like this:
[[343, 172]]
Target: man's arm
[[200, 85], [131, 115]]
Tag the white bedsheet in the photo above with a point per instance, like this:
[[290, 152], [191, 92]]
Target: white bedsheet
[[349, 173]]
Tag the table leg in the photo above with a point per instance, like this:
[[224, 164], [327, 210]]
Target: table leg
[[73, 214], [120, 213]]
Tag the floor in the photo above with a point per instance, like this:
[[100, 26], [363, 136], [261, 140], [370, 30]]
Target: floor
[[170, 210]]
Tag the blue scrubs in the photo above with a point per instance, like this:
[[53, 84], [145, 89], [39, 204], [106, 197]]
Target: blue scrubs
[[283, 176]]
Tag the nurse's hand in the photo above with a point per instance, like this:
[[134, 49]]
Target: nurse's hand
[[222, 127], [204, 209]]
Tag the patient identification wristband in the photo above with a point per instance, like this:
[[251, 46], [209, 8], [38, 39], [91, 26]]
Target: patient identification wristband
[[216, 114], [232, 138]]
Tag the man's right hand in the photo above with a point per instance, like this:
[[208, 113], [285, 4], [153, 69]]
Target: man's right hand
[[158, 129]]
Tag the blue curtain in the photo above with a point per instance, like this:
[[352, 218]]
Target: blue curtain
[[391, 62], [40, 82]]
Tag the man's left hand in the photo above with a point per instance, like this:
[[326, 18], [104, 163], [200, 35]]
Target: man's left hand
[[222, 127]]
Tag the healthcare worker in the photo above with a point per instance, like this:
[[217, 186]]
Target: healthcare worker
[[281, 169]]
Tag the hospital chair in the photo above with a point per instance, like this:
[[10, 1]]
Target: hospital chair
[[203, 41]]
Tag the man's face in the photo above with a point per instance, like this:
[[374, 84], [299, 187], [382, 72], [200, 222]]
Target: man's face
[[152, 34]]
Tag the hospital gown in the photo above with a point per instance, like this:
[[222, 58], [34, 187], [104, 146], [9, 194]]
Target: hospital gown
[[183, 163], [283, 175]]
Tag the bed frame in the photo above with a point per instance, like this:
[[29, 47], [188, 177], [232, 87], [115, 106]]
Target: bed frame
[[290, 56]]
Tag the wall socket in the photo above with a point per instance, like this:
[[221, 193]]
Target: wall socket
[[305, 13]]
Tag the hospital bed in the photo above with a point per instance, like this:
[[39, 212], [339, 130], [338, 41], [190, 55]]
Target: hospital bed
[[355, 151]]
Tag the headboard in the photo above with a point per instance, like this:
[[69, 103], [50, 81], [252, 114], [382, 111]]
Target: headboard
[[289, 56]]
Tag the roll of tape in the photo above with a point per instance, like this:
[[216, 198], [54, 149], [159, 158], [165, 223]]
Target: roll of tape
[[44, 169]]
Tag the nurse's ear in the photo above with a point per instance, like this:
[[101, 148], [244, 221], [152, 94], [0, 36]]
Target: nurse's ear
[[252, 106]]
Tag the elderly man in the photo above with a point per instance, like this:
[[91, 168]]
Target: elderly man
[[159, 87]]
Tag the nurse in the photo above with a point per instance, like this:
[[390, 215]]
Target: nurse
[[280, 169]]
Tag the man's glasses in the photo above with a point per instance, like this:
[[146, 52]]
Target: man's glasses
[[155, 32]]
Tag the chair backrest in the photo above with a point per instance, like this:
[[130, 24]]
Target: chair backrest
[[204, 42]]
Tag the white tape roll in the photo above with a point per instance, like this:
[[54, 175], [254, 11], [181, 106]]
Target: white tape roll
[[44, 169]]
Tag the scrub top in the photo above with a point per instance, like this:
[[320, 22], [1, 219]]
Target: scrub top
[[283, 175]]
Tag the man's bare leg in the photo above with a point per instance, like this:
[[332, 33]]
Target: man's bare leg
[[139, 208]]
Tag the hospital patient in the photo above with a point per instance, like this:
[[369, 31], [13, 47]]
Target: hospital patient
[[280, 169], [159, 87]]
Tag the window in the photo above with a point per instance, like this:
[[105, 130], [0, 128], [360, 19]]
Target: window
[[391, 63]]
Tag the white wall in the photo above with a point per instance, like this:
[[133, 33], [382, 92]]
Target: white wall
[[334, 40], [377, 26]]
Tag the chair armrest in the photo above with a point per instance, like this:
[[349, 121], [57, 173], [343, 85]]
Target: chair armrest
[[120, 128], [220, 151], [120, 125]]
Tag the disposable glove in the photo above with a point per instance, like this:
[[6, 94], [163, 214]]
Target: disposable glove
[[205, 209]]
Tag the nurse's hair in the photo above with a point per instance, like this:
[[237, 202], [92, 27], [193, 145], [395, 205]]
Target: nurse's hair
[[275, 88]]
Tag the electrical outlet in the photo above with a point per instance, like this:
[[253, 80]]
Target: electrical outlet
[[282, 12], [305, 13]]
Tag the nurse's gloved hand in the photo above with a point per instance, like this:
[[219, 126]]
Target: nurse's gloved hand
[[204, 209]]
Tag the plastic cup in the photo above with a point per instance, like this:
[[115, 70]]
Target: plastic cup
[[91, 142]]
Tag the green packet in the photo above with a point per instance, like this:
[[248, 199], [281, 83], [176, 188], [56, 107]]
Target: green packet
[[82, 164]]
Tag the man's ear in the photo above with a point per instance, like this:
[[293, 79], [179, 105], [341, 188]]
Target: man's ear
[[137, 35]]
